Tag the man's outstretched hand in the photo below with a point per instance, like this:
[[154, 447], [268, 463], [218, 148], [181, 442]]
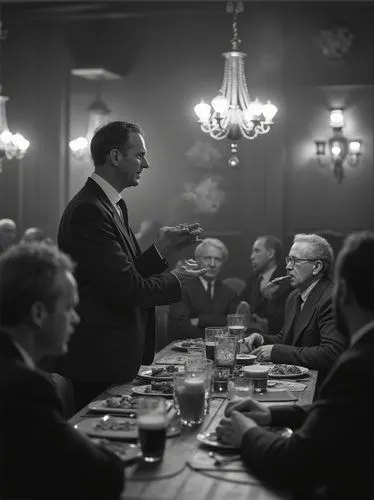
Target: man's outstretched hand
[[173, 238]]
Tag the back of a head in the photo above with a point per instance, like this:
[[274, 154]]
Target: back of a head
[[273, 243], [212, 242], [114, 135], [319, 249], [28, 273], [33, 234], [355, 264]]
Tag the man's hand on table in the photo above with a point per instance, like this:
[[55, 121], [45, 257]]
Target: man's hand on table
[[263, 353], [231, 430], [251, 408], [251, 342]]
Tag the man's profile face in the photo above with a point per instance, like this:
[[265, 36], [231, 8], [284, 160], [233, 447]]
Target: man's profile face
[[59, 322], [260, 256], [303, 272], [211, 258], [133, 160]]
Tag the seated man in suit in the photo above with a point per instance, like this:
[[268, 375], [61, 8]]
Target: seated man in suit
[[41, 455], [206, 301], [330, 453], [309, 336], [267, 311]]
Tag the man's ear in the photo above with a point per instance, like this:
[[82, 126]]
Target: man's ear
[[318, 267], [271, 253], [38, 313], [115, 157]]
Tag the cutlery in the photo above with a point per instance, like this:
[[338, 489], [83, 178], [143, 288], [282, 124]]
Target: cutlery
[[223, 460]]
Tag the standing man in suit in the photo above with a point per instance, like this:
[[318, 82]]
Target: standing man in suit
[[267, 312], [309, 337], [330, 453], [118, 285], [41, 455], [206, 301]]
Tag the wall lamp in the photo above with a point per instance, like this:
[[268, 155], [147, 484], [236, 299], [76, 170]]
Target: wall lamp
[[338, 150]]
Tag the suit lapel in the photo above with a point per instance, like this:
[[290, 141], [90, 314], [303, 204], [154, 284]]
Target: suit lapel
[[288, 321], [308, 309]]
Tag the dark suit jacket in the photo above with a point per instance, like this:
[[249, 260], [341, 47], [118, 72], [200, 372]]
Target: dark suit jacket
[[315, 341], [41, 455], [273, 309], [331, 449], [195, 303], [118, 288]]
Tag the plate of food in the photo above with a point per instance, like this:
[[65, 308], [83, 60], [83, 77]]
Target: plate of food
[[183, 345], [126, 452], [122, 405], [155, 388], [287, 371], [111, 427], [160, 372], [245, 359]]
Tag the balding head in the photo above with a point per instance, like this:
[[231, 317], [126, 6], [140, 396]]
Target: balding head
[[8, 231]]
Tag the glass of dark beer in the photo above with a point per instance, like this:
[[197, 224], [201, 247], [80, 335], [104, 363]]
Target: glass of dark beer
[[152, 423], [210, 333]]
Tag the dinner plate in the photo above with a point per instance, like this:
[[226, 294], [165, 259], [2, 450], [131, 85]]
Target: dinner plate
[[126, 452], [147, 373], [100, 406], [141, 391], [246, 359], [303, 371], [88, 426], [180, 347]]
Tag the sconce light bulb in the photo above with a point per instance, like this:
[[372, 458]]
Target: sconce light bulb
[[233, 161], [337, 118]]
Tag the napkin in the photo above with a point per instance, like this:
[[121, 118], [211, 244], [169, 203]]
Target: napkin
[[275, 396]]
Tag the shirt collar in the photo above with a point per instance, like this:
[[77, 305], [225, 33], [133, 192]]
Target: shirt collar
[[24, 355], [112, 194], [268, 274], [361, 332], [305, 294]]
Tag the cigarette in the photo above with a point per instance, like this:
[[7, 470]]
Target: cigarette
[[277, 280]]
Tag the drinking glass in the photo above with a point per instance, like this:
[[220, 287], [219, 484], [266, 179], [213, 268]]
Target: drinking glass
[[152, 424], [239, 386], [259, 377], [210, 333], [205, 365], [225, 351], [221, 379], [237, 325], [190, 396]]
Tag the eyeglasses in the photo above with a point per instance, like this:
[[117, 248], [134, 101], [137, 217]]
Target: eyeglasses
[[294, 260]]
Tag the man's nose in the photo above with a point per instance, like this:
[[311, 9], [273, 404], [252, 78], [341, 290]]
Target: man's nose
[[145, 163], [76, 318]]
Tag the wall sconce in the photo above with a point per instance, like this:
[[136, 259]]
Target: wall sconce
[[338, 150]]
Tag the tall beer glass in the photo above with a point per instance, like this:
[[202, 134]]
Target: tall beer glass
[[210, 333], [152, 424]]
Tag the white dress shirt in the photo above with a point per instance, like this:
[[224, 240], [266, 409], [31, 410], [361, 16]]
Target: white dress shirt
[[112, 194]]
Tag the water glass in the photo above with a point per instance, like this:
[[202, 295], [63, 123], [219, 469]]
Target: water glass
[[210, 333], [225, 351], [152, 424], [237, 325], [239, 386], [189, 396]]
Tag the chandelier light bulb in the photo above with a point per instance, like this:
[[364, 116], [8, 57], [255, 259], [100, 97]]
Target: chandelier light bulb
[[203, 111], [220, 104], [20, 142], [233, 161], [355, 147], [336, 150], [269, 110], [78, 144], [6, 136], [255, 109], [337, 118]]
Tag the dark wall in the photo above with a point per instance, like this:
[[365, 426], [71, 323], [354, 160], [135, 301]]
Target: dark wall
[[169, 62]]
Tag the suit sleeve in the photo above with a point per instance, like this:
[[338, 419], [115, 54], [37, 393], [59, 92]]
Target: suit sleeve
[[319, 357], [61, 461], [89, 237]]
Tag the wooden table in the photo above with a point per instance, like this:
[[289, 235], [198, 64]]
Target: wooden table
[[174, 479]]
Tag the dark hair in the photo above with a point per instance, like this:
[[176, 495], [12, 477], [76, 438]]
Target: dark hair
[[355, 264], [114, 135], [28, 273], [273, 243]]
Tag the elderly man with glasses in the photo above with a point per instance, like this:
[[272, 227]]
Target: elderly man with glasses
[[309, 336]]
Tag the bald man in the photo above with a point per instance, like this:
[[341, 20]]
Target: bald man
[[8, 231]]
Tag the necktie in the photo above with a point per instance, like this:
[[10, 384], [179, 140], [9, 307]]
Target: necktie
[[298, 304], [210, 290], [123, 208]]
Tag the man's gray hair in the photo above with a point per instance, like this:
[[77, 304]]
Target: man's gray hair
[[212, 242], [320, 249]]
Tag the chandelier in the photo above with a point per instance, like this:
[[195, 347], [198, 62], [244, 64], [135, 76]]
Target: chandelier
[[235, 114], [11, 145], [98, 111]]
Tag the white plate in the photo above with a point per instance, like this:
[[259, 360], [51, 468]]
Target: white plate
[[246, 359], [180, 347], [140, 390], [303, 371], [100, 406], [88, 426], [147, 373], [211, 439], [126, 452]]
